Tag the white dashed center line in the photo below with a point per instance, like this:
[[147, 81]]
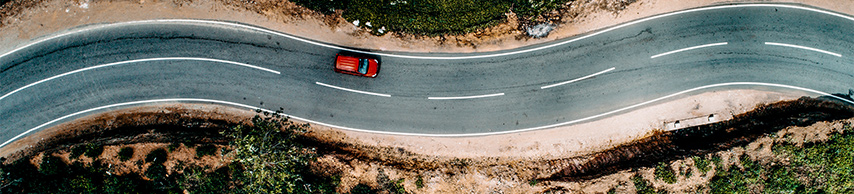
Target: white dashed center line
[[352, 90], [465, 97], [803, 47], [689, 48], [579, 79]]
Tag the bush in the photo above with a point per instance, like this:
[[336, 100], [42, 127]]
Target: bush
[[273, 160], [205, 150], [642, 186], [173, 146], [126, 153], [156, 172], [664, 172], [77, 151], [828, 163], [89, 150], [363, 189], [419, 183], [702, 164], [52, 165], [93, 151], [825, 166], [432, 17], [196, 181], [769, 179], [157, 156]]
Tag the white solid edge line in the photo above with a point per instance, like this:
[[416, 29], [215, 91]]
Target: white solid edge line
[[135, 61], [352, 90], [579, 79], [689, 48], [432, 135], [803, 47], [465, 97], [444, 58]]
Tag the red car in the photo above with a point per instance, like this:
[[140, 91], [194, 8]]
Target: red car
[[361, 66]]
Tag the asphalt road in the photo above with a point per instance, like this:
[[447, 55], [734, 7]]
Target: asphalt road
[[427, 93]]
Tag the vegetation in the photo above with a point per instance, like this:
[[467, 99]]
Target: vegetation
[[702, 164], [173, 146], [642, 186], [273, 160], [396, 187], [55, 176], [205, 150], [824, 167], [665, 173], [89, 150], [431, 17], [755, 176], [419, 183], [157, 156], [268, 158], [363, 189], [125, 153]]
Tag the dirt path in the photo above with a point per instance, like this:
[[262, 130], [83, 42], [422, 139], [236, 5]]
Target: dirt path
[[52, 16]]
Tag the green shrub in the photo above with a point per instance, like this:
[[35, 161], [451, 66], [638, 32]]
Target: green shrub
[[77, 151], [52, 165], [432, 17], [272, 158], [83, 184], [829, 164], [156, 172], [771, 179], [173, 146], [613, 190], [396, 187], [89, 150], [93, 151], [419, 183], [702, 164], [363, 189], [205, 150], [642, 186], [196, 181], [664, 172], [126, 153], [157, 156], [826, 167]]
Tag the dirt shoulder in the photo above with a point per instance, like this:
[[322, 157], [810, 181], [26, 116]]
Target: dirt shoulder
[[41, 18]]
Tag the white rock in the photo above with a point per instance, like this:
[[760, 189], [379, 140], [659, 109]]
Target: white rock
[[356, 22], [540, 30]]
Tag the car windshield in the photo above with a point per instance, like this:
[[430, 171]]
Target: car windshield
[[363, 66]]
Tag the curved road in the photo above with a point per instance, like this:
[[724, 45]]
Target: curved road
[[572, 80]]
